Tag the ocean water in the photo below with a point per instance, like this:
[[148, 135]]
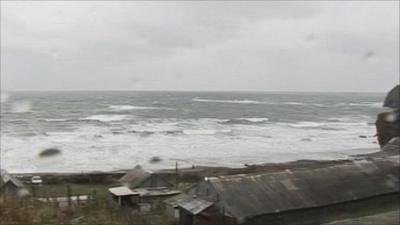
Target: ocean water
[[118, 130]]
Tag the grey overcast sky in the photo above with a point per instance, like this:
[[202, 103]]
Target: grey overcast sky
[[218, 46]]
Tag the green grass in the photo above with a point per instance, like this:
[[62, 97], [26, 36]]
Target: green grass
[[29, 212], [61, 190]]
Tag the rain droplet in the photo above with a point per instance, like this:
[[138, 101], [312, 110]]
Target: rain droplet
[[21, 107], [49, 152], [155, 159], [4, 97], [310, 37]]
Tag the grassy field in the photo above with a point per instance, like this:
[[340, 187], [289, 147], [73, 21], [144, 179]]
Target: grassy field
[[61, 190], [29, 212]]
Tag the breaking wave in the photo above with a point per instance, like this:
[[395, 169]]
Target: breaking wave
[[55, 120], [245, 121], [368, 104], [294, 103], [235, 101], [130, 107], [106, 118], [205, 131], [304, 124], [362, 104]]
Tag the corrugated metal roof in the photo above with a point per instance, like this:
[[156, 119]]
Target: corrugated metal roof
[[195, 205], [122, 191], [246, 196], [140, 178], [147, 192], [176, 200]]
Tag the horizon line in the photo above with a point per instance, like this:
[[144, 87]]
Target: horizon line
[[226, 91]]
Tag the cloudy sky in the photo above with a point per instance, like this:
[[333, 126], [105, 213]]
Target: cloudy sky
[[218, 46]]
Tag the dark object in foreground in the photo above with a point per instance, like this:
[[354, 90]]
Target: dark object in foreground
[[387, 126], [285, 197], [388, 123], [392, 99], [49, 152]]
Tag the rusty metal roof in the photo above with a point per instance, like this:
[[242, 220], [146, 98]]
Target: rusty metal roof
[[246, 196], [121, 191], [195, 205]]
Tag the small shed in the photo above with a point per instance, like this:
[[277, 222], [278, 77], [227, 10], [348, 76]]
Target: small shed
[[124, 196], [190, 209], [140, 178], [172, 205], [392, 99], [271, 197], [11, 186], [142, 187]]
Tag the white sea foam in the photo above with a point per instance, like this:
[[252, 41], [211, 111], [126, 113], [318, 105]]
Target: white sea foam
[[202, 142], [230, 138], [303, 124], [55, 120], [255, 120], [4, 96], [235, 101], [107, 118], [205, 131], [21, 107], [294, 103], [377, 105], [130, 107], [368, 104], [249, 121]]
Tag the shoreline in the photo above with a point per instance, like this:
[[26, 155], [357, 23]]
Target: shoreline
[[187, 174], [186, 166], [197, 173]]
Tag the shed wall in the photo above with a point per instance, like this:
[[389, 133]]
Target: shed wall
[[326, 214]]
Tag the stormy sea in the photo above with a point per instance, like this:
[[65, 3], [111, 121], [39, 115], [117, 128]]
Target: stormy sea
[[103, 131]]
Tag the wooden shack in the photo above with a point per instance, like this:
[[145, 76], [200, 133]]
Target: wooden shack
[[142, 188], [124, 196], [303, 196], [172, 205], [140, 178]]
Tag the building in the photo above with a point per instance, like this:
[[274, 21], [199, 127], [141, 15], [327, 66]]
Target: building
[[123, 195], [11, 186], [172, 205], [141, 188], [307, 196], [140, 178]]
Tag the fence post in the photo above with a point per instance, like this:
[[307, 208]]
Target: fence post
[[69, 195]]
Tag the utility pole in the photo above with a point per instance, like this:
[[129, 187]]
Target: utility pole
[[176, 175]]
